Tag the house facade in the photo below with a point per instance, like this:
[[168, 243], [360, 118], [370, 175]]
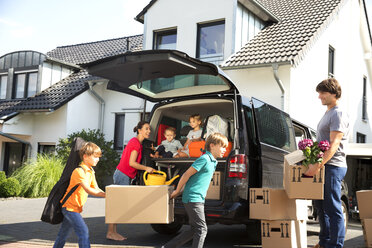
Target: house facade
[[276, 51]]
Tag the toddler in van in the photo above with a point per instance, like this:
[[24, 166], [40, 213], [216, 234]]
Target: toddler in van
[[168, 147], [193, 135]]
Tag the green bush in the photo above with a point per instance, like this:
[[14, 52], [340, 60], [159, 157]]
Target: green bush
[[9, 187], [38, 176], [107, 163], [2, 176]]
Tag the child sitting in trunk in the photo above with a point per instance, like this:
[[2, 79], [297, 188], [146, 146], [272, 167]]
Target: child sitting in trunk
[[168, 147], [194, 135]]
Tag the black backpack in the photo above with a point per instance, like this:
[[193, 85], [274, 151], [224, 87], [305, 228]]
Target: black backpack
[[52, 212]]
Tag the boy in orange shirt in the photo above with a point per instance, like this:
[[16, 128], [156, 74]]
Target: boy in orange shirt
[[84, 176]]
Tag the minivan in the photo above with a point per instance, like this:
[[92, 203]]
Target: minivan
[[260, 134]]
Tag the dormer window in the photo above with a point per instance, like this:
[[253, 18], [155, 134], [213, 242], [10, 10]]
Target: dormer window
[[25, 84], [3, 86]]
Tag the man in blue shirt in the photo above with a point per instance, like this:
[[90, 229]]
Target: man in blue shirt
[[334, 127], [195, 182]]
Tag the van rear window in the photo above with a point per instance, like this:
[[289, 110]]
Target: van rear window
[[181, 85]]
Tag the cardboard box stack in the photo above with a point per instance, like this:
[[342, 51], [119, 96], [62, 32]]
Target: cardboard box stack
[[364, 198], [283, 220], [283, 212], [139, 204]]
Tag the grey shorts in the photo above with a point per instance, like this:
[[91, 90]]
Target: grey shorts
[[121, 179]]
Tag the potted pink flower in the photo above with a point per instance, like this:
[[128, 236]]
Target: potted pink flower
[[313, 151]]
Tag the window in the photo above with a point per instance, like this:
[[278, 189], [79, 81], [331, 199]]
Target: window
[[119, 132], [300, 133], [360, 138], [331, 62], [211, 42], [3, 84], [25, 85], [364, 100], [247, 26], [274, 126], [165, 39], [46, 148]]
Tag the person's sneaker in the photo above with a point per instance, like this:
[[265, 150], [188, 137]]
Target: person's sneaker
[[318, 246]]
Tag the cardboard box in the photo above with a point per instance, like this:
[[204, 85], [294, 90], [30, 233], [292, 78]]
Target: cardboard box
[[214, 190], [297, 186], [367, 231], [364, 198], [283, 234], [139, 204], [274, 204]]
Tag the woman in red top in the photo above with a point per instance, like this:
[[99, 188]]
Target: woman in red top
[[128, 166]]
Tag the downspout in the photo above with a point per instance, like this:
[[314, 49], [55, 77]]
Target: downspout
[[101, 102], [280, 84]]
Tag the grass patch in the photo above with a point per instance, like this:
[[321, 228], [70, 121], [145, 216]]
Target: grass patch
[[38, 176]]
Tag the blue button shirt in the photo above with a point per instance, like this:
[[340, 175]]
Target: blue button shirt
[[197, 186]]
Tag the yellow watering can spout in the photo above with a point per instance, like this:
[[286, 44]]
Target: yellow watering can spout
[[170, 181], [157, 178]]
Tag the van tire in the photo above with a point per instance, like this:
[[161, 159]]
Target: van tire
[[254, 233], [168, 229]]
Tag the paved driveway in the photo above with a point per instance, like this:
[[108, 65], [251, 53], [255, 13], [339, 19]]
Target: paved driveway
[[20, 226]]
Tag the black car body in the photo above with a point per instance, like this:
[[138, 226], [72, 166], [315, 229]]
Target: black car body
[[180, 86]]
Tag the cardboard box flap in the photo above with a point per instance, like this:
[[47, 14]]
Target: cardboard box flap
[[294, 157]]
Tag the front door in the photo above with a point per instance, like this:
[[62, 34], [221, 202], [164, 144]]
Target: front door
[[14, 154]]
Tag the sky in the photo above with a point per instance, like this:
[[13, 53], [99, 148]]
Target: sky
[[42, 25]]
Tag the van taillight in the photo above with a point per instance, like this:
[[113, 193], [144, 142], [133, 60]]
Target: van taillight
[[238, 166]]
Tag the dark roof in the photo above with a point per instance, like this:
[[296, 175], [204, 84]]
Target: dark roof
[[301, 23], [87, 52], [65, 90], [140, 16], [50, 99]]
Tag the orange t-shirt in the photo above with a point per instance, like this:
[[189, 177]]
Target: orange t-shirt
[[77, 199]]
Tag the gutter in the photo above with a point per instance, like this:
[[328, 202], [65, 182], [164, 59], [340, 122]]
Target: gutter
[[280, 84], [101, 102]]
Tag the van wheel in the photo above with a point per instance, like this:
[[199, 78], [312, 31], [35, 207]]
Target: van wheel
[[168, 229], [345, 214], [254, 233]]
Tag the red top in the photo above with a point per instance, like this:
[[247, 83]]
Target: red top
[[123, 165]]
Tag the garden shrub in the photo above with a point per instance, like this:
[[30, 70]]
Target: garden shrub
[[9, 187], [107, 163], [2, 176], [38, 176]]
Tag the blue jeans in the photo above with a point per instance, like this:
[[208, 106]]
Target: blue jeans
[[75, 221], [331, 219], [120, 178]]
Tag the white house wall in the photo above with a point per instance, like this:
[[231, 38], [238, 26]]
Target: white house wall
[[343, 34], [185, 15], [82, 113], [53, 73], [22, 124], [48, 128], [260, 83], [120, 103]]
